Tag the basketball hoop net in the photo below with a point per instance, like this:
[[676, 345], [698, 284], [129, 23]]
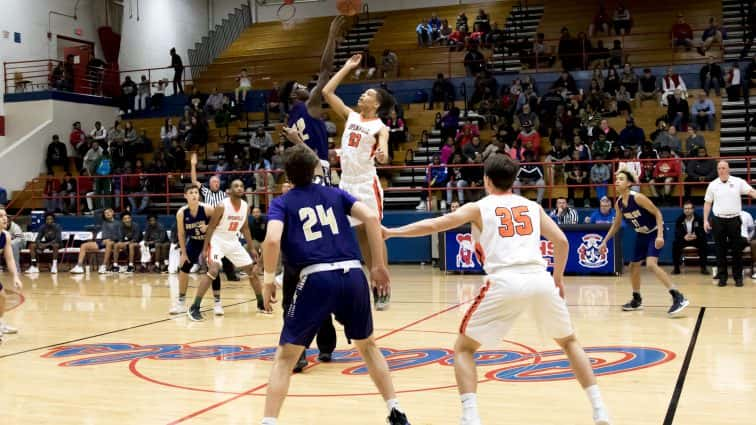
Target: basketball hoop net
[[286, 13]]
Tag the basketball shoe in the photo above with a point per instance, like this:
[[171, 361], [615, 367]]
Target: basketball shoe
[[301, 363], [7, 329], [195, 314], [178, 308], [397, 418], [635, 304], [218, 309], [679, 302]]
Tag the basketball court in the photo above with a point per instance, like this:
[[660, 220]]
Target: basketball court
[[102, 349]]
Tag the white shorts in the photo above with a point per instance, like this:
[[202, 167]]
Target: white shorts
[[369, 192], [231, 249], [504, 296]]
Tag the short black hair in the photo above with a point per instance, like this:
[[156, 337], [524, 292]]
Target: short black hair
[[688, 201], [49, 214], [126, 213], [501, 169], [300, 164], [386, 102], [190, 186], [152, 215], [630, 176]]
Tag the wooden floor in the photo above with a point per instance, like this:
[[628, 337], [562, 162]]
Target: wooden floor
[[103, 350]]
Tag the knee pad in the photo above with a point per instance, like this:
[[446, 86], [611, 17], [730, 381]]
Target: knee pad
[[186, 267]]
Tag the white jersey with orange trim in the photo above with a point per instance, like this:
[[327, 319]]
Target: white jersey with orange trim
[[358, 145], [510, 239], [232, 221]]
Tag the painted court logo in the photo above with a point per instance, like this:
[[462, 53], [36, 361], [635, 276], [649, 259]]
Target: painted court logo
[[588, 252]]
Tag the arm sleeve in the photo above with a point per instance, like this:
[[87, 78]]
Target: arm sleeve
[[745, 188], [709, 197]]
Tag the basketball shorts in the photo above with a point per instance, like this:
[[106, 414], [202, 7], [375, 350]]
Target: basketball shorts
[[504, 296], [368, 191], [645, 246], [194, 250], [231, 249], [340, 289]]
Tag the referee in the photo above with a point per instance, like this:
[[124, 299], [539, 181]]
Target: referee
[[213, 196], [723, 198]]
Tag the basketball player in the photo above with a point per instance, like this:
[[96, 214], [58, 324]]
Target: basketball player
[[365, 141], [191, 224], [221, 241], [310, 225], [647, 221], [509, 229], [10, 263]]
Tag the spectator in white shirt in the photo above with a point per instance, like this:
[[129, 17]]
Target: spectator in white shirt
[[733, 83], [168, 132], [670, 83], [99, 134], [245, 85]]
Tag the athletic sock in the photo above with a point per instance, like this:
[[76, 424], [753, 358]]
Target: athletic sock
[[269, 421], [469, 405], [182, 298], [55, 262], [34, 262], [217, 298], [636, 296], [594, 396], [197, 302], [393, 404]]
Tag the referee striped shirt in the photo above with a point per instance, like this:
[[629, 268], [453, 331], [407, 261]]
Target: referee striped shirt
[[212, 198]]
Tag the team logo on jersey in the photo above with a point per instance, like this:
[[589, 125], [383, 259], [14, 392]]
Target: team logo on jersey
[[466, 252], [588, 252]]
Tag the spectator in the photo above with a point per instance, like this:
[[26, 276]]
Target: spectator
[[601, 173], [450, 123], [647, 88], [442, 91], [92, 157], [156, 238], [648, 155], [528, 139], [564, 214], [258, 226], [139, 185], [601, 146], [605, 213], [176, 157], [601, 21], [565, 84], [631, 135], [214, 102], [196, 102], [526, 115], [86, 189], [49, 236], [580, 151], [530, 175], [474, 61], [103, 183], [389, 64], [714, 33], [472, 149], [670, 84], [178, 71], [436, 176], [669, 139], [699, 171], [78, 140], [245, 85], [424, 34], [666, 171], [622, 100], [143, 94], [52, 193], [612, 82], [577, 176], [689, 231], [132, 144], [159, 96], [144, 143], [693, 142], [260, 143], [611, 134], [273, 101], [482, 23], [57, 78], [264, 180], [733, 83], [116, 134], [461, 24], [678, 111], [397, 132], [542, 55], [367, 67], [447, 150], [616, 54], [445, 32], [629, 80], [630, 162], [131, 236], [110, 233], [704, 112], [99, 134], [711, 76], [435, 24], [622, 20], [682, 33], [128, 95], [456, 179], [168, 132], [197, 136], [567, 50], [68, 191], [56, 154]]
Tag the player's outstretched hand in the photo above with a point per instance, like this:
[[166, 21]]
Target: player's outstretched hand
[[659, 243], [354, 62], [269, 296], [381, 279], [602, 248], [292, 134], [193, 159]]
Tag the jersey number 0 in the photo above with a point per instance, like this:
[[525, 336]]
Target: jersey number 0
[[513, 221]]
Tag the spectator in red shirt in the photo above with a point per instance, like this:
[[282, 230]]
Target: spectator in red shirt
[[666, 171], [465, 136], [78, 140], [682, 33], [528, 139]]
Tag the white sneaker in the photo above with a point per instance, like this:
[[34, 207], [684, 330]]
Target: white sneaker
[[469, 421], [77, 270], [443, 205], [102, 269], [195, 268], [218, 309], [754, 275], [7, 329], [54, 269], [241, 274], [32, 269], [420, 206], [178, 308], [600, 416]]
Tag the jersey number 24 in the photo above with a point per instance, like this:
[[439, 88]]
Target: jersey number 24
[[514, 220], [317, 215]]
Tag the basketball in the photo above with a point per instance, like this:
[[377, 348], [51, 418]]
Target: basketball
[[349, 7]]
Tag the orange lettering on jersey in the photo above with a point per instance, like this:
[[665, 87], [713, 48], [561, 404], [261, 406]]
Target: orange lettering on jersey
[[354, 139], [514, 220], [233, 226]]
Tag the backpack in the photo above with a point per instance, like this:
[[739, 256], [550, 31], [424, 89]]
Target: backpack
[[103, 169]]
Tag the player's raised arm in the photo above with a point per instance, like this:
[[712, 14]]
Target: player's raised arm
[[216, 218], [551, 231], [465, 214], [378, 273], [193, 169], [329, 91], [326, 65]]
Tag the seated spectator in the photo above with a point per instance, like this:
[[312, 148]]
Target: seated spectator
[[131, 235], [68, 192], [389, 64], [666, 171], [611, 134], [526, 115], [424, 34], [703, 112], [689, 231], [678, 111], [196, 102], [630, 162], [474, 61], [444, 32], [669, 139], [580, 151], [577, 176], [682, 33], [273, 101], [647, 88], [700, 171], [450, 123], [541, 54], [528, 139], [461, 24], [711, 76], [214, 102], [53, 197], [732, 81], [99, 134], [563, 213], [159, 96], [605, 213], [474, 176], [670, 84], [144, 94], [629, 80], [197, 135], [601, 146], [156, 239], [139, 186], [632, 135], [260, 142], [56, 154], [110, 234], [648, 155], [78, 140], [622, 20], [49, 236], [128, 95], [168, 132], [565, 84], [367, 67], [92, 157], [621, 104], [456, 179], [601, 21], [245, 85], [435, 25], [436, 176], [694, 141], [601, 174], [264, 180], [473, 149], [530, 175], [442, 91], [714, 33], [616, 54], [116, 134], [482, 23]]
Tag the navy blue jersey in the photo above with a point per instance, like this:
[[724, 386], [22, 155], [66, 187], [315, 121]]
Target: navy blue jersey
[[192, 225], [313, 129], [316, 226], [3, 240], [640, 218]]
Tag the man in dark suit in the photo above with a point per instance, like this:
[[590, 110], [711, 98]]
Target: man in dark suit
[[689, 231]]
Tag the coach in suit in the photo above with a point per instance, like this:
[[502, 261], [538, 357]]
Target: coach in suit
[[689, 231]]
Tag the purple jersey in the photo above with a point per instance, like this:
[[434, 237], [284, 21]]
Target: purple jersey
[[316, 226], [313, 129], [640, 218]]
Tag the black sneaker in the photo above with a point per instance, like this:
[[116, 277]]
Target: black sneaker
[[397, 418], [722, 283], [115, 269], [301, 363], [325, 357], [679, 302], [195, 314], [676, 271], [633, 305], [739, 283], [130, 269]]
